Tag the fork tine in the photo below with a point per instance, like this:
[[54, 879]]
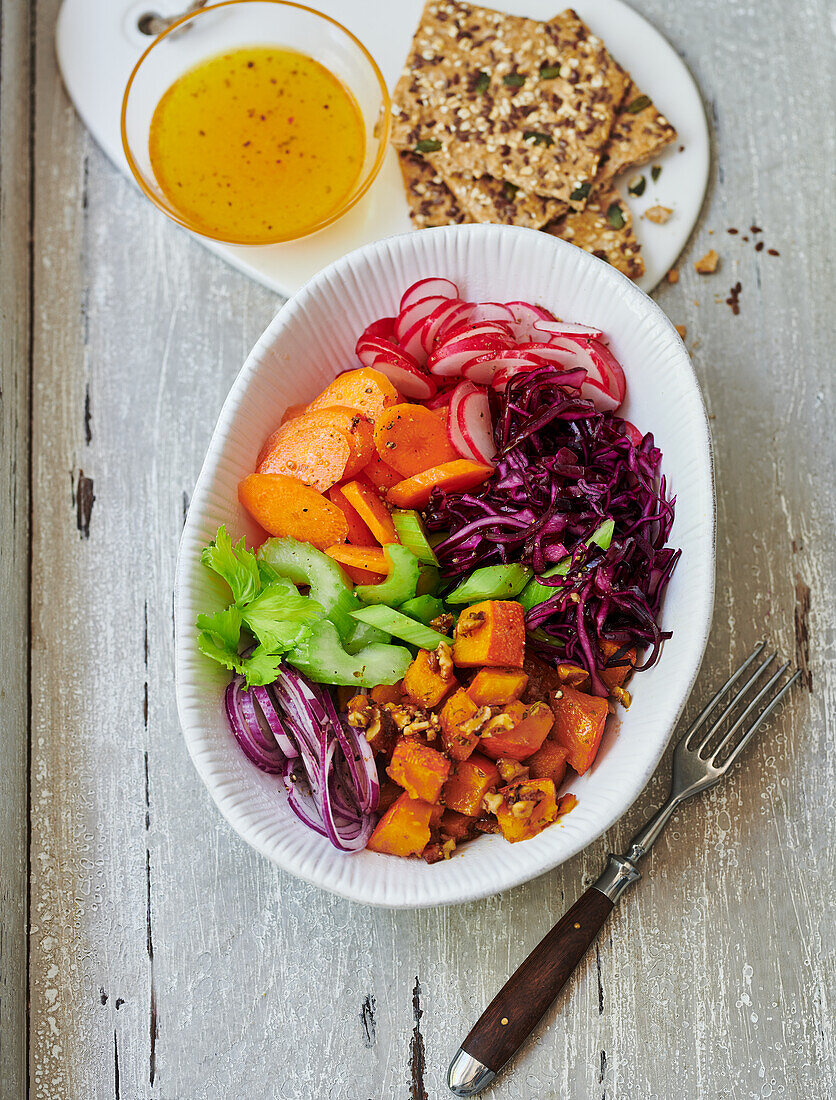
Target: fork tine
[[758, 722], [732, 680], [762, 667]]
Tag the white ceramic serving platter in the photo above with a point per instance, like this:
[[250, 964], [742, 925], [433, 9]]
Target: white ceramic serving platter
[[311, 340], [98, 44]]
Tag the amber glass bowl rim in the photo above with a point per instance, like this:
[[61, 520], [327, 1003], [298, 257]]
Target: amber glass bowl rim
[[382, 135]]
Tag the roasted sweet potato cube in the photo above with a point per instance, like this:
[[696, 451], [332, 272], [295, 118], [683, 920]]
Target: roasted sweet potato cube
[[404, 830], [457, 826], [469, 783], [549, 762], [435, 819], [615, 676], [517, 731], [390, 792], [494, 687], [490, 633], [428, 679], [527, 807], [458, 741], [579, 725], [387, 693], [420, 770]]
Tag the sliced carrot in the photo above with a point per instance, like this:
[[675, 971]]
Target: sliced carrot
[[380, 473], [286, 507], [414, 492], [358, 531], [292, 411], [312, 446], [365, 390], [411, 439], [374, 513], [362, 560]]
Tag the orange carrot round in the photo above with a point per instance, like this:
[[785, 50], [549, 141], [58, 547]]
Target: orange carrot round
[[286, 507], [411, 439], [379, 473], [366, 561], [358, 531], [320, 447], [374, 513], [414, 492], [364, 390]]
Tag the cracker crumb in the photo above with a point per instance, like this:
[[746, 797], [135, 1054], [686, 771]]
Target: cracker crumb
[[682, 330], [708, 264], [673, 275], [658, 214]]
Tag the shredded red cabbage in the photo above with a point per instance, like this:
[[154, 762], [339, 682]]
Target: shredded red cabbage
[[562, 469], [292, 728]]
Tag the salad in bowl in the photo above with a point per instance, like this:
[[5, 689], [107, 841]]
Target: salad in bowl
[[462, 553]]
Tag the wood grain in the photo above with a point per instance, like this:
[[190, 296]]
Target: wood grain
[[167, 960], [15, 208]]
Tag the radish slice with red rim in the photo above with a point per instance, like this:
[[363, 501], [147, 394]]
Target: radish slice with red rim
[[632, 432], [494, 330], [417, 313], [451, 358], [441, 398], [469, 425], [369, 348], [436, 321], [456, 319], [409, 380], [383, 327], [492, 311], [561, 328], [428, 288], [525, 315]]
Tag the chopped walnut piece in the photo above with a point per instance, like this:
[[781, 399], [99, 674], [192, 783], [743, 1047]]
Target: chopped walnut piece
[[443, 623], [673, 275], [486, 826], [658, 214], [474, 724], [523, 808], [497, 723], [682, 330], [373, 729], [444, 659], [708, 264], [468, 623], [492, 802], [511, 769], [623, 696]]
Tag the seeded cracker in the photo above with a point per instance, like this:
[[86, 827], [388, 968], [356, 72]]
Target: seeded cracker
[[430, 201], [604, 228], [498, 201], [472, 95], [639, 133]]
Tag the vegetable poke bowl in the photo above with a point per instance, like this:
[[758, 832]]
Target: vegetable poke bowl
[[447, 575]]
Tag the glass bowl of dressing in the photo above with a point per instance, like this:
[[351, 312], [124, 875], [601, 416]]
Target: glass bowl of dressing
[[255, 121]]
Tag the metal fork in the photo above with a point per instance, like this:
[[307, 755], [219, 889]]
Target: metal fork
[[700, 760]]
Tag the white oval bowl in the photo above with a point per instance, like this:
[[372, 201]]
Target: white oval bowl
[[312, 339]]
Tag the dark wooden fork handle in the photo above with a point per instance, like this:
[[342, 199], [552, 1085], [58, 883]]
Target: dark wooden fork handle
[[518, 1007]]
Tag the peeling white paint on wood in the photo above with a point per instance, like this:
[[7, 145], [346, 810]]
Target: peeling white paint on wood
[[165, 959]]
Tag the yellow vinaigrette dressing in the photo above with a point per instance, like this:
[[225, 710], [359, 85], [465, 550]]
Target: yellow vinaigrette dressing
[[257, 144]]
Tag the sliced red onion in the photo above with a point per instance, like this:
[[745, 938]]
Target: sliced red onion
[[327, 767]]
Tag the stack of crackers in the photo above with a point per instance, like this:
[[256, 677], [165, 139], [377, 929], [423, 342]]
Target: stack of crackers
[[497, 118]]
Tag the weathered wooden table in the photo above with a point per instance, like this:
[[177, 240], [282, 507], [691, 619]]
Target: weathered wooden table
[[145, 951]]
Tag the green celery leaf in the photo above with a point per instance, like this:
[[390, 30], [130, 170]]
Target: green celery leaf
[[235, 564], [219, 637], [260, 667], [277, 614]]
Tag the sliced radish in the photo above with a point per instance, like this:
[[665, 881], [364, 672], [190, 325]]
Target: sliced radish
[[450, 359], [369, 348], [469, 426], [418, 312], [428, 288], [408, 380], [632, 433], [596, 359], [383, 328], [525, 315], [561, 328], [455, 321], [472, 332], [436, 320], [492, 311], [441, 399]]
